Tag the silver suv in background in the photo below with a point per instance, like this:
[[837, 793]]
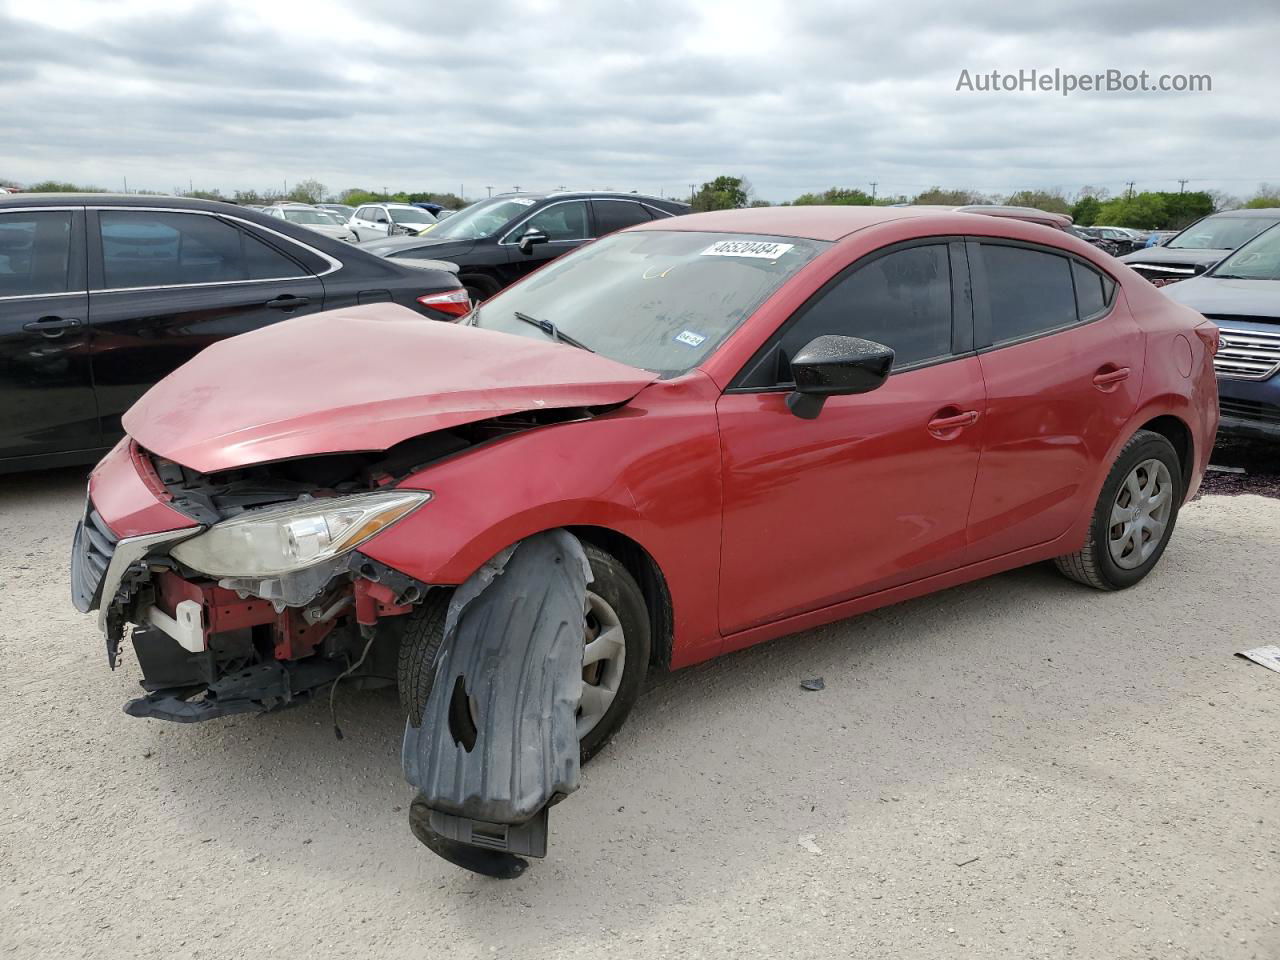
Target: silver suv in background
[[374, 220]]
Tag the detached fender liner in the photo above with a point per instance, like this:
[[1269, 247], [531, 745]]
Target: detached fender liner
[[497, 741]]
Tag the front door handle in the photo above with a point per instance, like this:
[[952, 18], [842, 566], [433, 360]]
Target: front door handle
[[953, 423], [51, 327], [1109, 376], [288, 302]]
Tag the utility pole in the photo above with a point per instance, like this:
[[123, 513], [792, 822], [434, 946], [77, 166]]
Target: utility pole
[[692, 187], [1182, 185], [126, 184], [873, 189], [1129, 189], [490, 189], [516, 188]]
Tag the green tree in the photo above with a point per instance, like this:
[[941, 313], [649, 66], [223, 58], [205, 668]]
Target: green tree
[[1085, 210], [61, 186], [307, 191], [722, 193], [1183, 209], [1268, 195], [1051, 200], [1146, 211], [836, 196], [948, 198]]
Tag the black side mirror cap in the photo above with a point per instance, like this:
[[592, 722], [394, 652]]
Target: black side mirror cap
[[530, 237], [830, 366]]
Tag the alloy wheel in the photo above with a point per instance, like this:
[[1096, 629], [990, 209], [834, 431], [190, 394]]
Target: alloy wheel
[[1140, 514], [604, 657]]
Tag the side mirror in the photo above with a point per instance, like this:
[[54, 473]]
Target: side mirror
[[531, 236], [833, 366]]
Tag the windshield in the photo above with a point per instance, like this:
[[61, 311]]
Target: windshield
[[1221, 233], [411, 215], [309, 216], [482, 219], [661, 301], [1257, 260]]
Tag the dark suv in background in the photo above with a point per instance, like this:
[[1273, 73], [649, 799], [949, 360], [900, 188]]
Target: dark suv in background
[[1201, 245], [101, 296], [497, 241]]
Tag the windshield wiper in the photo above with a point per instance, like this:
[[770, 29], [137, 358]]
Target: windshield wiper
[[551, 330]]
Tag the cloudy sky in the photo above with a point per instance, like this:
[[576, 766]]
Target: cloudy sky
[[797, 96]]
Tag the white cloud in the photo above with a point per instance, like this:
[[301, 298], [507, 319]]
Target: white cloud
[[652, 96]]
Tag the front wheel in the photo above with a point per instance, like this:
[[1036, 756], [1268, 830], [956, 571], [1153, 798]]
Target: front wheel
[[1134, 516]]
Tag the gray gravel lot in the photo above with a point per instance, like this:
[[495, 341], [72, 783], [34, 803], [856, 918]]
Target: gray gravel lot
[[1102, 765]]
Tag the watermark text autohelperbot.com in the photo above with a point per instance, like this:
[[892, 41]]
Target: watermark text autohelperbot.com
[[1066, 83]]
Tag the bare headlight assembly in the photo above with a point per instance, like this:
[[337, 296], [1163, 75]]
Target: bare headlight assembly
[[283, 539]]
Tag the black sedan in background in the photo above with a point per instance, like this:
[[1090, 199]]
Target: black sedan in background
[[101, 296], [497, 241]]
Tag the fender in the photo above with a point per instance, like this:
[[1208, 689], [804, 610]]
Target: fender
[[583, 473]]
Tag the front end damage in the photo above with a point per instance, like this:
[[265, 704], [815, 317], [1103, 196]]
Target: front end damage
[[220, 625]]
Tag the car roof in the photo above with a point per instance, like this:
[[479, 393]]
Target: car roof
[[811, 222], [1249, 212]]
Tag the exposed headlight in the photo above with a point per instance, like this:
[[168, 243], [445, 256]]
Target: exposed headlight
[[279, 540]]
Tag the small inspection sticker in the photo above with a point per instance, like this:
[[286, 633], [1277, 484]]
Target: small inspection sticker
[[523, 201], [761, 249], [689, 338]]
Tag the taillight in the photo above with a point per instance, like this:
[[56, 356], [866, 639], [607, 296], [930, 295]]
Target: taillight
[[455, 303], [1209, 333]]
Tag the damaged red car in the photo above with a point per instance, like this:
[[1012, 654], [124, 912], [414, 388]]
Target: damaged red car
[[685, 438]]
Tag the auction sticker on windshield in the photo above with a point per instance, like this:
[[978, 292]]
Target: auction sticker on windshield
[[762, 249]]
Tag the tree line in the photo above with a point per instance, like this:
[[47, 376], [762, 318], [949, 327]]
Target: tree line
[[1148, 210]]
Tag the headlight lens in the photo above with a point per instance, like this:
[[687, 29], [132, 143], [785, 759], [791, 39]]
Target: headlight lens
[[279, 540]]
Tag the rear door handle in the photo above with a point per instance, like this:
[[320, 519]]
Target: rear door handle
[[1106, 378], [51, 326], [941, 425], [288, 302]]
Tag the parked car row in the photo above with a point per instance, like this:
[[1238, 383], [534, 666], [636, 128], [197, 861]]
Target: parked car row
[[1194, 250], [497, 241], [102, 296]]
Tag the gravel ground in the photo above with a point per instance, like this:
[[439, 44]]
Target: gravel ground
[[1243, 466], [1017, 768]]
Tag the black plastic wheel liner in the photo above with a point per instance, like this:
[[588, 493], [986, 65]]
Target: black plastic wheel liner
[[498, 737]]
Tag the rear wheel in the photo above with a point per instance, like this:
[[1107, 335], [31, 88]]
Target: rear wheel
[[615, 656], [1134, 516]]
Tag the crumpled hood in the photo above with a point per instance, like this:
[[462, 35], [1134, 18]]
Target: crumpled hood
[[359, 379]]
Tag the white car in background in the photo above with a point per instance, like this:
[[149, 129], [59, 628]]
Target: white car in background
[[374, 220], [321, 221]]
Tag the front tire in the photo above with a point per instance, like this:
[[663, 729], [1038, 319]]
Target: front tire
[[1133, 518]]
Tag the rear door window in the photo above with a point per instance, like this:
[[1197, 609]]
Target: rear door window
[[614, 215], [35, 252], [1030, 292], [151, 249]]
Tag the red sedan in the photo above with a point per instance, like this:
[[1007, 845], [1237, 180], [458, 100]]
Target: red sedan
[[748, 423]]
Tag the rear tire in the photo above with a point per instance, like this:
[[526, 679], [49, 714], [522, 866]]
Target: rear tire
[[480, 288], [1133, 518]]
